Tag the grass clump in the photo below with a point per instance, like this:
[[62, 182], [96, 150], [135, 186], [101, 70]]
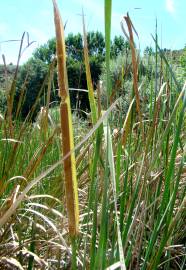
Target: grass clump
[[118, 202]]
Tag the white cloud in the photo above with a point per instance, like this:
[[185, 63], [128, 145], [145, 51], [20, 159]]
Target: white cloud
[[37, 35], [3, 28], [170, 6], [46, 13]]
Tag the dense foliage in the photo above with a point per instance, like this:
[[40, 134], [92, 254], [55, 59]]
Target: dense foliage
[[37, 66]]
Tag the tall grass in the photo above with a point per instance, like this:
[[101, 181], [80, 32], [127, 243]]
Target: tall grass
[[122, 206]]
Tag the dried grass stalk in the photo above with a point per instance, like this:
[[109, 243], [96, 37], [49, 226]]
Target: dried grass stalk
[[134, 65]]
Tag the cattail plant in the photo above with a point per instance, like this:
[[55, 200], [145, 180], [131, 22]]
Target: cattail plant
[[66, 128]]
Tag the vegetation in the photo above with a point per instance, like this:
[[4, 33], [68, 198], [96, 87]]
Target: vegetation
[[37, 66], [115, 197]]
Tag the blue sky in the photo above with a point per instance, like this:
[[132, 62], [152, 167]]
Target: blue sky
[[36, 17]]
